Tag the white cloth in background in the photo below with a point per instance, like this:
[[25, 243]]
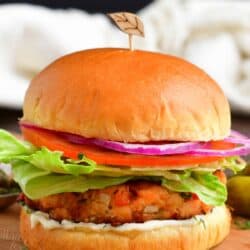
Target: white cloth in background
[[32, 37], [164, 23], [219, 42], [214, 35]]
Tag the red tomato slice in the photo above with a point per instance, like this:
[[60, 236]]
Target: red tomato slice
[[103, 156]]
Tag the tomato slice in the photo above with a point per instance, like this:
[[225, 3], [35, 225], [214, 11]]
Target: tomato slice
[[54, 142]]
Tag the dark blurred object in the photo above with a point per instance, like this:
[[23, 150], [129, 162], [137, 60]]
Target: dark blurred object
[[7, 185], [9, 119], [246, 171], [9, 191], [6, 200], [242, 224], [91, 5]]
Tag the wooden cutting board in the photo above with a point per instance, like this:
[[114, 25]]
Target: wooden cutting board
[[10, 238]]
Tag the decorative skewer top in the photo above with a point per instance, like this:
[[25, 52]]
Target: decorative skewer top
[[128, 23]]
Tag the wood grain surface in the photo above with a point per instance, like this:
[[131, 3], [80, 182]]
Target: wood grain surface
[[9, 229], [10, 238]]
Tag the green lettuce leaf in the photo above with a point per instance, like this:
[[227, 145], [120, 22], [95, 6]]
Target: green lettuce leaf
[[206, 185], [236, 164], [10, 146], [52, 161], [12, 149], [37, 183], [122, 171]]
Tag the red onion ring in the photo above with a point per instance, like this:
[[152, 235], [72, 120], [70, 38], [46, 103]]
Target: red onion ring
[[134, 148], [241, 150], [190, 148], [235, 140]]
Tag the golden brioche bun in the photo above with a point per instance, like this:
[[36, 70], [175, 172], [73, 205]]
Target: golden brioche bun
[[131, 96], [194, 236]]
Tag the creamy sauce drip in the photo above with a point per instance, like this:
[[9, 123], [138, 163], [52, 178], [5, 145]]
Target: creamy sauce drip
[[37, 217]]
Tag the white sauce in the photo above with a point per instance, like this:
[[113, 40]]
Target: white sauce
[[43, 219]]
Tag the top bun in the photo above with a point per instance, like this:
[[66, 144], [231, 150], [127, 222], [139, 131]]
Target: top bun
[[130, 96]]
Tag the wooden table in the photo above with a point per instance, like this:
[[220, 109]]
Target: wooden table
[[9, 229]]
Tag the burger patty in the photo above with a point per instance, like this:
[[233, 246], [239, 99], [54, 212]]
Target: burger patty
[[136, 201]]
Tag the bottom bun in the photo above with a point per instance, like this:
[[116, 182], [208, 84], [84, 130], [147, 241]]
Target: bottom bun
[[193, 235]]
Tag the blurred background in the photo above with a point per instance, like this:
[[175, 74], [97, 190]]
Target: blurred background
[[215, 35]]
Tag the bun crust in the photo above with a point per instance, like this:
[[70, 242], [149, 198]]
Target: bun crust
[[188, 237], [131, 96]]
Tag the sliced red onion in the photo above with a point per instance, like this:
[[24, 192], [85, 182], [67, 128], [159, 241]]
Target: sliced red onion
[[236, 138], [190, 148], [240, 140], [135, 148], [242, 150], [132, 148]]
